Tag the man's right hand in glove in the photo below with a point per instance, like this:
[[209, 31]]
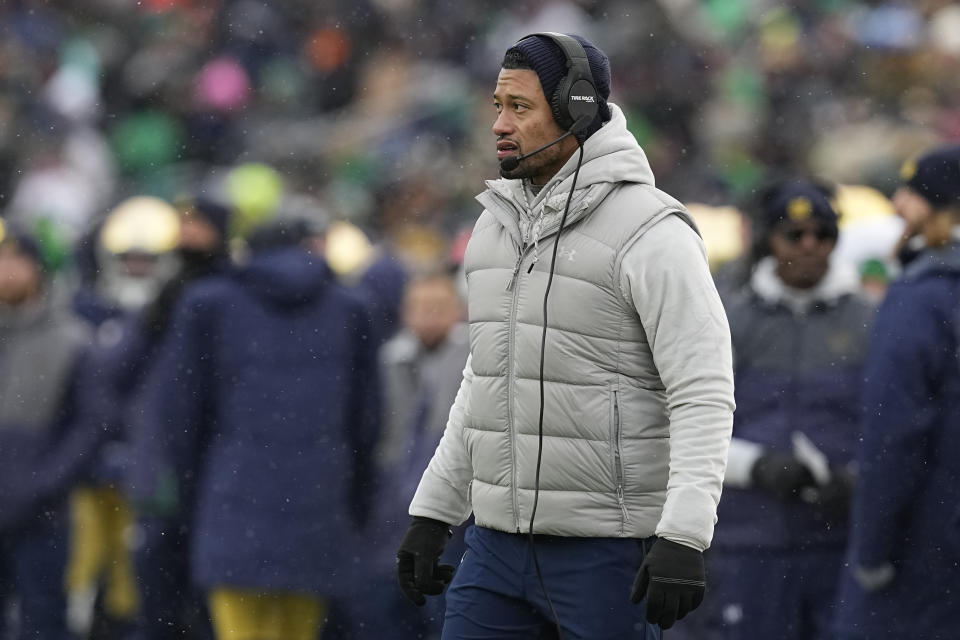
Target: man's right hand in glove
[[417, 560], [782, 475]]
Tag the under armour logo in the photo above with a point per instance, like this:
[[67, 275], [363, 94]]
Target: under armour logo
[[566, 253]]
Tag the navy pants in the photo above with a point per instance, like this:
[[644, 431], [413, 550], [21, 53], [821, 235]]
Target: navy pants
[[32, 564], [495, 594], [170, 605]]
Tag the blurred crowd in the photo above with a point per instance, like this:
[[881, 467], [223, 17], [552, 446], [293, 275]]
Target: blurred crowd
[[231, 315]]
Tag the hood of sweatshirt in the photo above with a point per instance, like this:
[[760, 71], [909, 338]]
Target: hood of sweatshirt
[[287, 276]]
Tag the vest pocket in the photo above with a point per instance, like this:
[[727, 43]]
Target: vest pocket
[[615, 447]]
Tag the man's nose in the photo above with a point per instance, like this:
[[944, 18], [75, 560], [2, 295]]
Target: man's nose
[[503, 125]]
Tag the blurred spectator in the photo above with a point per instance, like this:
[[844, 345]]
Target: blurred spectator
[[47, 431], [265, 402], [904, 547], [922, 192], [169, 604], [421, 367], [799, 337], [125, 259], [134, 247]]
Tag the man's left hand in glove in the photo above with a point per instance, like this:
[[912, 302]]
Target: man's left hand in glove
[[673, 580]]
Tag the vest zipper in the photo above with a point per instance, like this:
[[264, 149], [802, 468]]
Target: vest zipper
[[511, 426], [516, 272]]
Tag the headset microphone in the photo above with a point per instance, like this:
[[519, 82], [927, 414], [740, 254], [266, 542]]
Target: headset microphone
[[511, 163]]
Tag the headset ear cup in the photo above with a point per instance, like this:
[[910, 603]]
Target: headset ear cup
[[559, 106]]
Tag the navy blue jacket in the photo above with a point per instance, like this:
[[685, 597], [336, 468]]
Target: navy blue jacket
[[907, 506], [793, 372], [264, 402]]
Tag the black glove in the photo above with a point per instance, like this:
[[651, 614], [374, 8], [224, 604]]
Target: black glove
[[672, 578], [784, 476], [417, 568], [832, 500]]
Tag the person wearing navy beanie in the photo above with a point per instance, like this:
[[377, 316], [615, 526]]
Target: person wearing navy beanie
[[588, 449], [800, 328], [931, 183], [904, 546]]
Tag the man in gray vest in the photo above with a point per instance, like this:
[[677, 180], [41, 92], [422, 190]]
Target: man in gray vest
[[590, 433]]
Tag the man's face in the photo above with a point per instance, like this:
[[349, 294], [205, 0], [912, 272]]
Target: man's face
[[912, 207], [525, 122], [431, 309], [197, 234], [802, 250], [19, 277]]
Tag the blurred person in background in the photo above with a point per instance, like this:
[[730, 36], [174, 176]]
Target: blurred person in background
[[800, 332], [133, 247], [124, 260], [422, 366], [904, 549], [47, 431], [265, 405], [634, 438], [168, 603], [915, 201]]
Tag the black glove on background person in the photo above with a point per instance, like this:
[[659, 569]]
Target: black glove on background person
[[832, 500], [673, 579], [417, 568], [782, 475]]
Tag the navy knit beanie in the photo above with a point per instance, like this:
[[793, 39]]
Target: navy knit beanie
[[797, 200], [935, 176], [547, 59]]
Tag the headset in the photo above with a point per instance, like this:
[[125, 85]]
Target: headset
[[575, 99], [575, 105], [574, 102]]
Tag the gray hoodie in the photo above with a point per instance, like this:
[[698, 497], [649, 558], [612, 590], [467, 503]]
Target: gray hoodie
[[638, 377]]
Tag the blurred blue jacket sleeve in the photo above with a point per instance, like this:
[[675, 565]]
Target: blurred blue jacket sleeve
[[169, 430], [899, 411]]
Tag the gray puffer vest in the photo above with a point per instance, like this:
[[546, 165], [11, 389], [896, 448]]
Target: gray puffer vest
[[605, 429]]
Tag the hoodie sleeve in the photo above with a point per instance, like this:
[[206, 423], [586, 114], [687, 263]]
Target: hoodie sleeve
[[666, 275], [443, 492]]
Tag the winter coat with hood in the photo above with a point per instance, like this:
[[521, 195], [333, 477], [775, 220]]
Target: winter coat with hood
[[798, 363], [264, 402], [906, 511], [638, 377]]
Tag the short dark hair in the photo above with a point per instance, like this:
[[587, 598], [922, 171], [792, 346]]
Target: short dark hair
[[514, 59]]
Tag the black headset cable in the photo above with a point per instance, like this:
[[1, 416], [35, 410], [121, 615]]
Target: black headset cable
[[543, 346]]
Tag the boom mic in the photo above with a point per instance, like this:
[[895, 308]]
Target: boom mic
[[511, 163]]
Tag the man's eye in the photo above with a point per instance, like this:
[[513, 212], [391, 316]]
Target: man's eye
[[519, 107]]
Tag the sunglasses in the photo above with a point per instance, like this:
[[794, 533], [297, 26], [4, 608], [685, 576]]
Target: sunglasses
[[821, 234]]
